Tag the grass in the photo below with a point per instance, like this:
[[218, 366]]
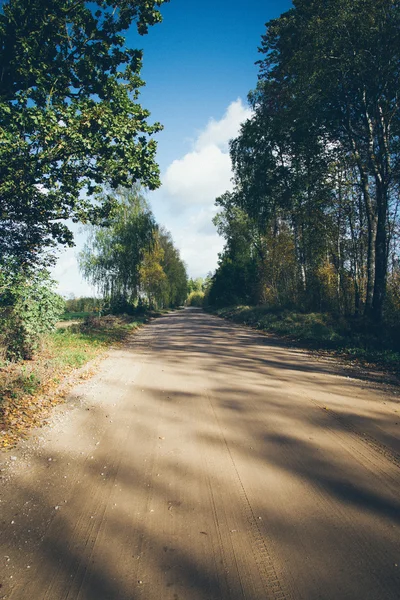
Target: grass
[[348, 338], [73, 316], [28, 389]]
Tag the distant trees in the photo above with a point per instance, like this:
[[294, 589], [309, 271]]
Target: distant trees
[[174, 268], [313, 218], [196, 285], [112, 256], [83, 304], [197, 290], [133, 259]]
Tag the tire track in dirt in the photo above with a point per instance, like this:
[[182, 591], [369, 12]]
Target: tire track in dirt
[[320, 495], [271, 583], [90, 503], [365, 438]]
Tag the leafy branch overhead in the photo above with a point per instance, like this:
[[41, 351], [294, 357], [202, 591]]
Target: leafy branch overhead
[[70, 117]]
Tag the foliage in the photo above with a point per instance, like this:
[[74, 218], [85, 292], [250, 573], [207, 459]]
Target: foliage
[[153, 280], [73, 316], [163, 275], [29, 308], [195, 298], [83, 305], [176, 289], [313, 218], [341, 61], [196, 285], [70, 119], [133, 259], [112, 257]]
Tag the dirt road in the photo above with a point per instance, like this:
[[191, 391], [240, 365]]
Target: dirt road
[[205, 462]]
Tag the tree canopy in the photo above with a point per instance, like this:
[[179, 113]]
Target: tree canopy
[[70, 118]]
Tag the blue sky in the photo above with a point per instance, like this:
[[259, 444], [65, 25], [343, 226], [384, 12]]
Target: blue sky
[[199, 67], [198, 61]]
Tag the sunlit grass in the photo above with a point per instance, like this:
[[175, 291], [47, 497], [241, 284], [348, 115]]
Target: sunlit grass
[[29, 388], [319, 331], [72, 316]]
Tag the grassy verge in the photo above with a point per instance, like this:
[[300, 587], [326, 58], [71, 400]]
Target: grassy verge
[[28, 389], [320, 331], [73, 316]]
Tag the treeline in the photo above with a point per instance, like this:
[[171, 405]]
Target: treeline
[[92, 305], [313, 219], [83, 304], [133, 262]]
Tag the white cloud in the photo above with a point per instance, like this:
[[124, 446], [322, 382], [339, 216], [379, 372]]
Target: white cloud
[[220, 132], [186, 201], [199, 177], [201, 258], [201, 221], [205, 173], [66, 271], [199, 244]]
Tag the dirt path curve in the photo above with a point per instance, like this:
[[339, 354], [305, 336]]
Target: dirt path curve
[[205, 462]]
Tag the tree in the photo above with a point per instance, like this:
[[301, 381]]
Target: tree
[[112, 258], [70, 119], [339, 60], [174, 269], [153, 280], [29, 308], [162, 273], [195, 285], [133, 258], [316, 168], [237, 278], [257, 265]]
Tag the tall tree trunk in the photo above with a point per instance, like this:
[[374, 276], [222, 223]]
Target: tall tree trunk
[[371, 247], [381, 255], [357, 297], [369, 209], [357, 253], [339, 265], [299, 255], [380, 163]]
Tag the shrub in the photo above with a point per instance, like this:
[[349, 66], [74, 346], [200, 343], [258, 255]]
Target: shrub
[[29, 308], [195, 299]]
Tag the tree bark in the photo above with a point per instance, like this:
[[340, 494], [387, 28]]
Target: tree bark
[[381, 255]]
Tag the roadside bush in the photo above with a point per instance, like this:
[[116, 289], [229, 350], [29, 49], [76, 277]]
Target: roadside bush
[[29, 308], [195, 299], [118, 305]]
